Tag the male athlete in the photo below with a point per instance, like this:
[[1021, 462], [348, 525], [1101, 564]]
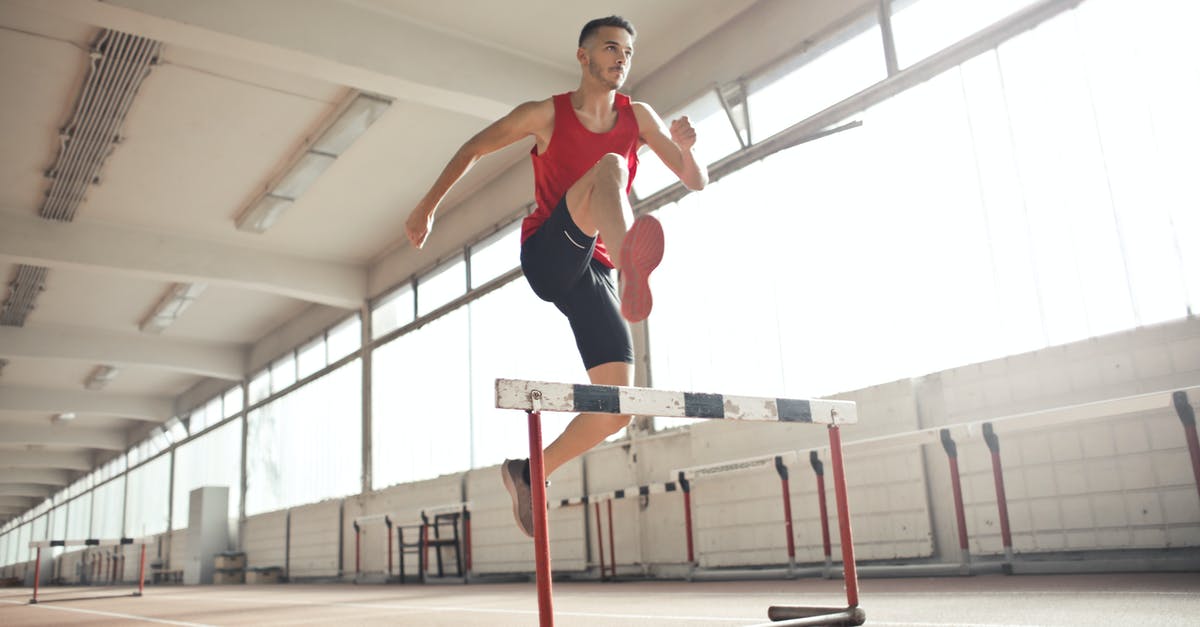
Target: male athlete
[[584, 160]]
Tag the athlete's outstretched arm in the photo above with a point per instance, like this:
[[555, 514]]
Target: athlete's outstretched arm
[[674, 149], [527, 119]]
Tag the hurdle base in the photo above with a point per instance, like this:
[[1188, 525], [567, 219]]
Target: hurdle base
[[798, 615], [33, 601]]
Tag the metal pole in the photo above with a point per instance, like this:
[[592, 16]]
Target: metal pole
[[541, 531], [847, 540], [889, 41]]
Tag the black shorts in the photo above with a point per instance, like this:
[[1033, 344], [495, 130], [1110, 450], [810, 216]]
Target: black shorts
[[558, 263]]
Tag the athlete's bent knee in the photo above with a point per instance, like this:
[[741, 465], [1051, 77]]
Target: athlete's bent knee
[[613, 164]]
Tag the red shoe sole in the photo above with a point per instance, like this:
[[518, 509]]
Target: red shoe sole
[[640, 255]]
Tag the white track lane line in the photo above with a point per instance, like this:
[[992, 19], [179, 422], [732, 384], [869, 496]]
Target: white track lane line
[[147, 619], [477, 610]]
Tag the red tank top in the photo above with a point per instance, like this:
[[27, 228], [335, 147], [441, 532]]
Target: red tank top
[[573, 150]]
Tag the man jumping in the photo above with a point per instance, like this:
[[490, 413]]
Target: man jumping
[[584, 160]]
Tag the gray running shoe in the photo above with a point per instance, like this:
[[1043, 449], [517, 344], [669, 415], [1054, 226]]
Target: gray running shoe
[[513, 473]]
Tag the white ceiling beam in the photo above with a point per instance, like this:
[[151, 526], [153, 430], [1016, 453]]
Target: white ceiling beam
[[38, 476], [63, 435], [68, 460], [27, 399], [25, 489], [223, 361], [336, 42], [25, 238], [18, 502]]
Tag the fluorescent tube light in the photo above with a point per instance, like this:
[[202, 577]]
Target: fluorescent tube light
[[100, 377], [178, 298], [351, 119]]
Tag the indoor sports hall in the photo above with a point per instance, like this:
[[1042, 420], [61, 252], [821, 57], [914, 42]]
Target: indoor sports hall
[[924, 347]]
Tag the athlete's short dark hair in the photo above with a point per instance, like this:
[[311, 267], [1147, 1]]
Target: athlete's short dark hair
[[591, 27]]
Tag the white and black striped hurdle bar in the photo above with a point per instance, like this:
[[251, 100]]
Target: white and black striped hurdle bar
[[612, 399], [96, 542]]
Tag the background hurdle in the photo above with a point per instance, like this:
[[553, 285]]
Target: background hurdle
[[93, 542], [533, 397]]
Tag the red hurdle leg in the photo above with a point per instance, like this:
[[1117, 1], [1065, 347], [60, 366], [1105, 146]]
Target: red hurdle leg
[[541, 530], [357, 550], [960, 514], [142, 572], [993, 444], [787, 509], [1187, 416], [600, 542], [687, 515], [37, 574], [467, 536], [819, 470], [843, 506], [612, 544]]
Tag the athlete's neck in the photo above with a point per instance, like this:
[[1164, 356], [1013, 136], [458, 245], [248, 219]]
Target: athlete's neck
[[593, 100]]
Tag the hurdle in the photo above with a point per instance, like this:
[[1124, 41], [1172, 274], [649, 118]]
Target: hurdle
[[90, 542], [534, 397]]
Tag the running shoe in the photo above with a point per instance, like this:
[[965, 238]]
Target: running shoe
[[640, 255]]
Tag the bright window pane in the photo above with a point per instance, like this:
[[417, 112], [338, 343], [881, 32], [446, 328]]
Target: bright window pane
[[923, 27], [821, 81], [496, 255], [440, 286], [283, 373], [715, 138], [421, 403], [213, 459], [311, 357], [260, 386], [233, 401], [344, 339], [307, 445], [392, 312], [149, 490]]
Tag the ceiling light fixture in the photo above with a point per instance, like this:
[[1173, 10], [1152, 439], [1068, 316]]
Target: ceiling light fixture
[[63, 418], [351, 119], [171, 305], [100, 377]]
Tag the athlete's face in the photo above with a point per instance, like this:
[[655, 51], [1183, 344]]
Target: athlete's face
[[609, 55]]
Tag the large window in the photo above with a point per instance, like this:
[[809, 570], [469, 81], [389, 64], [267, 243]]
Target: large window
[[421, 402], [108, 509], [1022, 200], [148, 505], [213, 459], [307, 445]]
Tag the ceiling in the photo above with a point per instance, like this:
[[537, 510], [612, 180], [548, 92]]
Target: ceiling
[[237, 89]]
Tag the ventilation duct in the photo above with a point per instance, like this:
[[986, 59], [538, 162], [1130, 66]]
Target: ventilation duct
[[119, 63], [22, 292]]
